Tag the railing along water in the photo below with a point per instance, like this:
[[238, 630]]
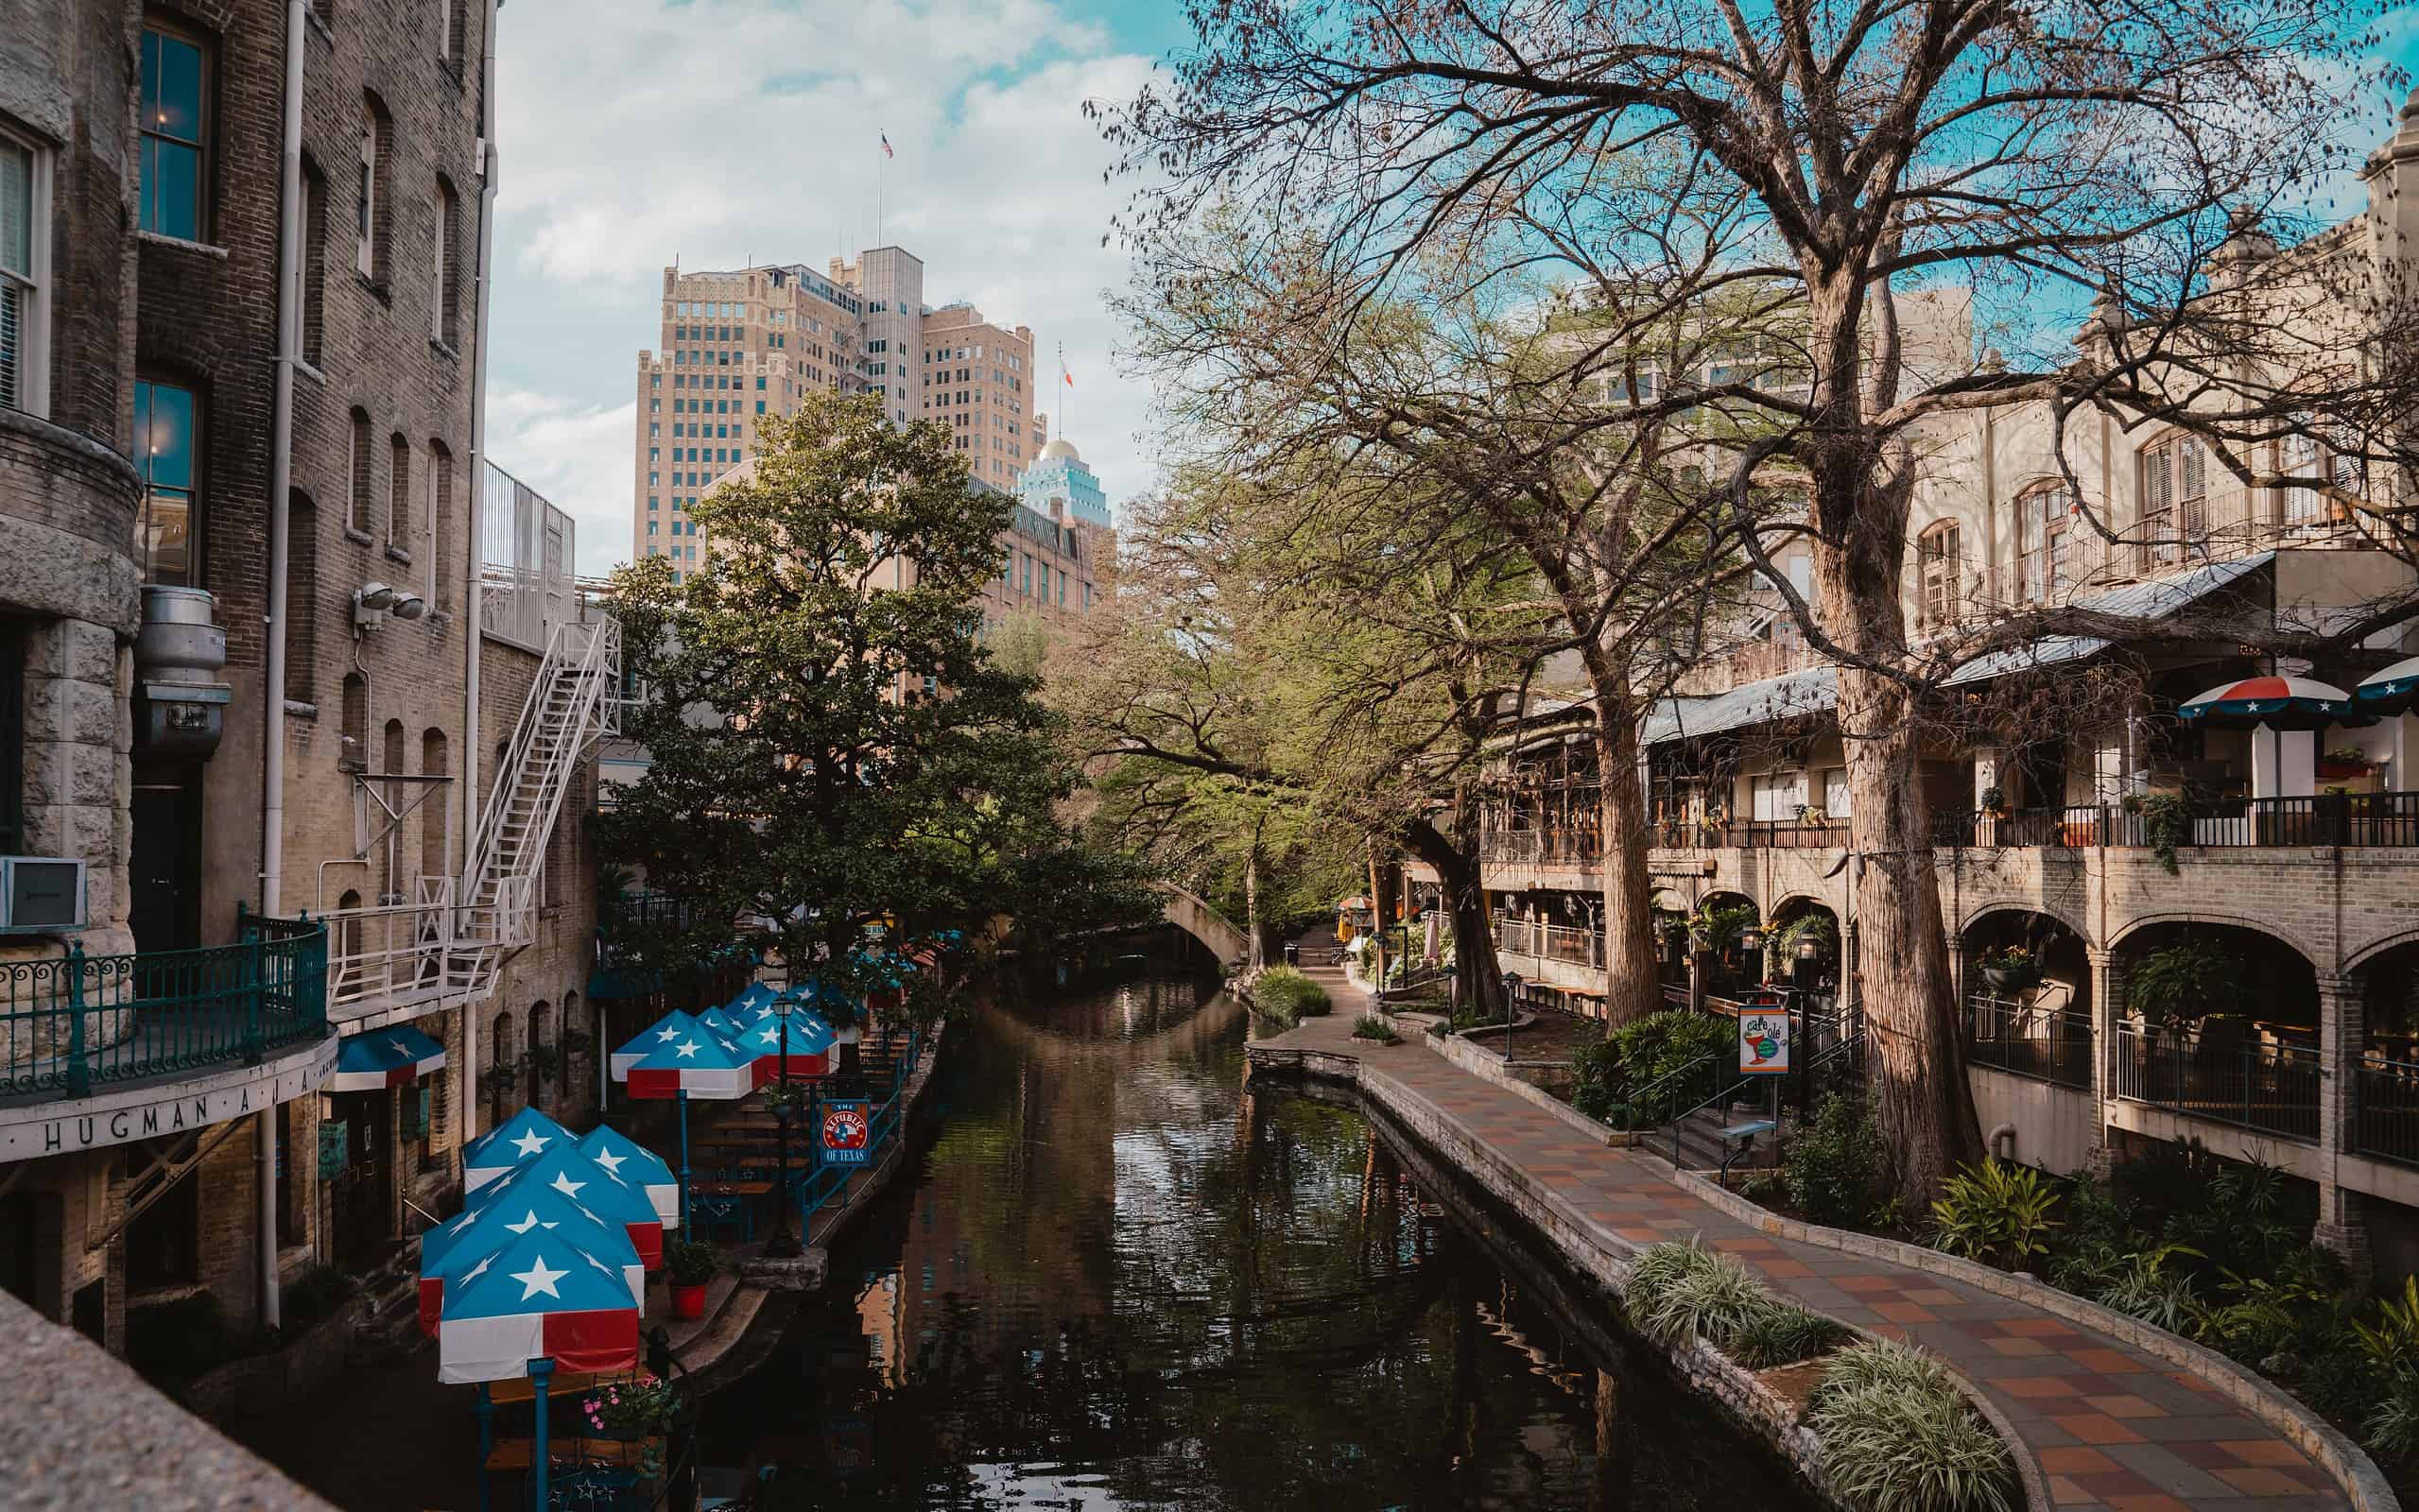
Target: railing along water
[[71, 1022], [2264, 1085]]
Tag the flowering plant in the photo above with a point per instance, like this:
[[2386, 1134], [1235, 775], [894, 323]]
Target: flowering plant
[[634, 1409]]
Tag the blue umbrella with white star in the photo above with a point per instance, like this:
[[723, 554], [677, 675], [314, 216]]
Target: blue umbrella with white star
[[454, 1246], [700, 1064], [536, 1298], [664, 1031], [525, 1135], [632, 1161], [617, 1198]]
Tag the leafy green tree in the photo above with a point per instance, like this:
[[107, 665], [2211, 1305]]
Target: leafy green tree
[[830, 745]]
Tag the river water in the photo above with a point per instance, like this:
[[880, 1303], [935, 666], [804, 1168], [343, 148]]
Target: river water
[[1120, 1275]]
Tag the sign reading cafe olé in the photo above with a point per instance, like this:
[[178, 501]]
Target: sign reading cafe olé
[[95, 1123]]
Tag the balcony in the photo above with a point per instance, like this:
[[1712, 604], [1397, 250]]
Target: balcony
[[2254, 1082], [2354, 820], [77, 1024], [2386, 1121], [2044, 1045], [1551, 942]]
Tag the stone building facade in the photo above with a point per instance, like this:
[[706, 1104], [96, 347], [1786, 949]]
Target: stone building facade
[[2076, 817], [165, 1131]]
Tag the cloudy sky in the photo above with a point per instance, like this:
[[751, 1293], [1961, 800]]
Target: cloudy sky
[[635, 133]]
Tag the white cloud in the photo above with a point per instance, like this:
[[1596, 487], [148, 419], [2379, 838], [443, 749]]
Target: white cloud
[[633, 132], [578, 456]]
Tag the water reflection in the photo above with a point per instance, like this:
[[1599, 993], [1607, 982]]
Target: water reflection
[[1120, 1279]]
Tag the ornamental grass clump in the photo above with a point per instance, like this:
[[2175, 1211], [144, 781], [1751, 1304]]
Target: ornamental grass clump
[[1898, 1437], [1784, 1333], [1679, 1292], [1370, 1027], [1286, 995]]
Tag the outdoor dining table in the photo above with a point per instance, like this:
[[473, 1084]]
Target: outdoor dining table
[[564, 1383]]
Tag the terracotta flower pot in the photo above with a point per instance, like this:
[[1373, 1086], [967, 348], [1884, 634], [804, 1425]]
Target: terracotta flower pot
[[688, 1301]]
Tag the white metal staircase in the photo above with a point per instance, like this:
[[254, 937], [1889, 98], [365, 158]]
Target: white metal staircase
[[573, 701]]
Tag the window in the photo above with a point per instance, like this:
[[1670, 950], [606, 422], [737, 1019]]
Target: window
[[399, 493], [445, 284], [370, 238], [24, 246], [165, 428], [301, 598], [450, 37], [358, 502], [1939, 562], [2317, 449], [2045, 548], [315, 261], [441, 522], [2175, 498], [171, 171]]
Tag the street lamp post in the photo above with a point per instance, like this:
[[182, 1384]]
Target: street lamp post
[[1510, 986], [784, 1244]]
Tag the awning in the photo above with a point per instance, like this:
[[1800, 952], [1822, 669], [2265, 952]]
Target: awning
[[385, 1057]]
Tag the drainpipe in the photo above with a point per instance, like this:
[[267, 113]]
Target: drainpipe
[[280, 486], [473, 611]]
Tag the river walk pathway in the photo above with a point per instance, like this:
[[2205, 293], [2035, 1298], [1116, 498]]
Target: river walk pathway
[[2109, 1424]]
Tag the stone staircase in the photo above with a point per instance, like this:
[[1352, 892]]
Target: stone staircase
[[1701, 1141], [387, 1310]]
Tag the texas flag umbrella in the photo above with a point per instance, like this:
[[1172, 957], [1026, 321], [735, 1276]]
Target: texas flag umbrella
[[386, 1058], [538, 1296], [571, 1174], [453, 1248], [669, 1029], [525, 1135], [2391, 690], [2280, 703], [632, 1161], [699, 1064], [801, 1033]]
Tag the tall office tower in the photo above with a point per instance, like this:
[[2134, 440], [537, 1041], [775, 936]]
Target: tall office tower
[[978, 380]]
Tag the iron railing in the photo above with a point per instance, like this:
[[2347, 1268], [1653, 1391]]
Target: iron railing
[[2047, 1045], [75, 1022], [2268, 1085], [1564, 845], [2385, 1121]]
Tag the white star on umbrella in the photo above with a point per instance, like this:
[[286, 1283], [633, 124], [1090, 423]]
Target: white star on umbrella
[[477, 1271], [563, 1184], [463, 1221], [530, 1141], [668, 1035], [528, 1223], [687, 1049], [771, 1034], [538, 1279], [402, 1049], [611, 1163]]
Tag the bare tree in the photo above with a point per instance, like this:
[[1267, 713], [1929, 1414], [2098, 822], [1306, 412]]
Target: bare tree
[[1843, 169]]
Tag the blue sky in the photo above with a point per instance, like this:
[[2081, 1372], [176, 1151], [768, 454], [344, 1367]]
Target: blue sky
[[633, 132]]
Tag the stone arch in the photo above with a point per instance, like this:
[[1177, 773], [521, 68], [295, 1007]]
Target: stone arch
[[2367, 954], [1975, 912], [2136, 926]]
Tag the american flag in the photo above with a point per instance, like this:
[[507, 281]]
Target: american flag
[[886, 146]]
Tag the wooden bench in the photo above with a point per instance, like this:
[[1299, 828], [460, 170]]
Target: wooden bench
[[520, 1453], [561, 1385], [729, 1189]]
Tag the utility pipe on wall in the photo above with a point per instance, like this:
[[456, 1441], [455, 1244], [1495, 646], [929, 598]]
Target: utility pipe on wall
[[281, 486], [474, 612]]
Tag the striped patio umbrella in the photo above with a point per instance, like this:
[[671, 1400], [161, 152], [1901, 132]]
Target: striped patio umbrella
[[525, 1135], [570, 1172], [2391, 691], [2277, 702], [384, 1057], [454, 1246], [632, 1161], [539, 1297], [802, 1034]]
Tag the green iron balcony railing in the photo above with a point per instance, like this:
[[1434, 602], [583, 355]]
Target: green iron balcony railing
[[73, 1023]]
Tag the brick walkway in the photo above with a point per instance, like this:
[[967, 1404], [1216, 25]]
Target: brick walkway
[[2110, 1426]]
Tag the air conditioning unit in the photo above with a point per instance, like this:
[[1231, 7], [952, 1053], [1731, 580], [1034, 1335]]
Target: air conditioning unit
[[41, 895]]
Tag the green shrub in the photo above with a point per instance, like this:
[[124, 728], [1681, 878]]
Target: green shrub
[[2391, 1426], [1909, 1446], [2140, 1285], [1834, 1171], [1887, 1363], [1611, 1073], [1370, 1027], [1694, 1294], [1996, 1212], [1784, 1333], [1286, 995], [2183, 983], [690, 1262]]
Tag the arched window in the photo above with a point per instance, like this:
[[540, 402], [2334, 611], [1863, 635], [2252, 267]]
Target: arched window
[[2175, 498], [2326, 450], [441, 520], [301, 598], [390, 762], [315, 261], [347, 944], [360, 501], [445, 284], [372, 215], [352, 749], [399, 494], [2046, 556], [540, 1021], [503, 1057], [1940, 567], [434, 862]]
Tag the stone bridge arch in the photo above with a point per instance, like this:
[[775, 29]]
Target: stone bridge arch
[[1190, 913]]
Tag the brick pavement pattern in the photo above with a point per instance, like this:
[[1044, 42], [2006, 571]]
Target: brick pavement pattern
[[2110, 1425]]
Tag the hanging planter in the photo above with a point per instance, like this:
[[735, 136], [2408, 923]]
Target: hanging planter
[[2012, 968]]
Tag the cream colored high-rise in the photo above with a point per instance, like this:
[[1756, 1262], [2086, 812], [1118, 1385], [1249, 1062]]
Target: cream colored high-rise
[[978, 380], [753, 341]]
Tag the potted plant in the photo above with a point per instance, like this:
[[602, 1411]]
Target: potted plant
[[1994, 801], [499, 1080], [784, 1102], [689, 1266], [634, 1412], [2011, 968], [2345, 761]]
